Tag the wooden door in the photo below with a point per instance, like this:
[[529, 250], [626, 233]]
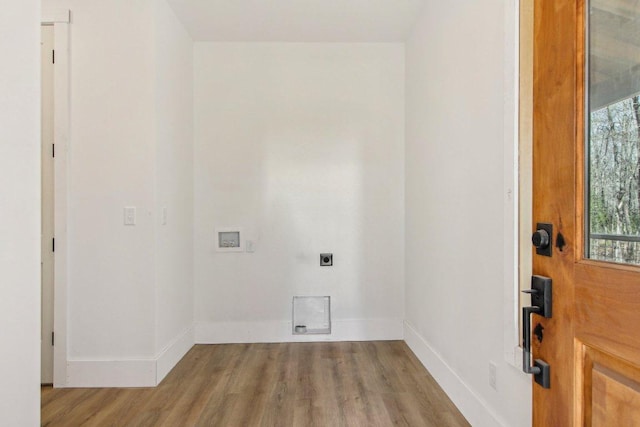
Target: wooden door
[[592, 340]]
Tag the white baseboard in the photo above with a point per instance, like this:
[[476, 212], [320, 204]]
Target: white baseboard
[[130, 373], [472, 406], [111, 373], [173, 353], [150, 372], [281, 331]]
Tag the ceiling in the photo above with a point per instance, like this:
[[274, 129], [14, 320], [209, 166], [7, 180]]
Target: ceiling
[[298, 20]]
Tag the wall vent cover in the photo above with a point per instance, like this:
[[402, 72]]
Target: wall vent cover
[[311, 315]]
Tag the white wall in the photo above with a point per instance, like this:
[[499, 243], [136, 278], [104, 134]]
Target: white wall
[[130, 287], [112, 165], [20, 213], [174, 187], [454, 207], [302, 145]]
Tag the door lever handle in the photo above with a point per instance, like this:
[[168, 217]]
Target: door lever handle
[[540, 304], [526, 344]]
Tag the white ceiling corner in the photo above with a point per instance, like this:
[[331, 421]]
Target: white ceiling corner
[[348, 21]]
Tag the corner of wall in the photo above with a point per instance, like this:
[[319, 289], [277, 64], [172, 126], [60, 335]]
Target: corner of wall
[[130, 372], [472, 406], [20, 213], [173, 353]]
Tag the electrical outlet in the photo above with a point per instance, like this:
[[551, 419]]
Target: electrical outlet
[[493, 375], [164, 215], [129, 215], [326, 260]]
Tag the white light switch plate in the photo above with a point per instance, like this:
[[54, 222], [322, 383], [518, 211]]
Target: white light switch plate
[[249, 246], [164, 215], [129, 215]]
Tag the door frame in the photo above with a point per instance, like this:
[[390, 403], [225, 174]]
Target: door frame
[[511, 190], [517, 173], [60, 20]]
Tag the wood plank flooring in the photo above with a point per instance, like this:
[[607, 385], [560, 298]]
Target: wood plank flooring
[[295, 384]]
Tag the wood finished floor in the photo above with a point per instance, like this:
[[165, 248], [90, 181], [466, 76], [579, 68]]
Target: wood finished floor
[[301, 384]]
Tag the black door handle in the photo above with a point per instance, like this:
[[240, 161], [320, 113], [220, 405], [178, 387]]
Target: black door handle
[[540, 304]]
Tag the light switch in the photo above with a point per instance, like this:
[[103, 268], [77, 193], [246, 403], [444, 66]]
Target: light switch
[[129, 215], [249, 246], [164, 215]]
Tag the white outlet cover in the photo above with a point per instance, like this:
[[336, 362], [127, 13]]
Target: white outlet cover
[[129, 215], [164, 215], [493, 375]]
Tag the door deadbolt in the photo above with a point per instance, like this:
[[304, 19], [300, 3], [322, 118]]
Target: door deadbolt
[[542, 239]]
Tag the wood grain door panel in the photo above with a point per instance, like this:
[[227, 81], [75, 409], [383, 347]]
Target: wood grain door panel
[[609, 393], [592, 343]]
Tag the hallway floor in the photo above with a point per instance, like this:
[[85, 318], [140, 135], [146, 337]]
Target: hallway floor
[[293, 384]]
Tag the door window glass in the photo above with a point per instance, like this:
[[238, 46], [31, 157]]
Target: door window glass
[[613, 132]]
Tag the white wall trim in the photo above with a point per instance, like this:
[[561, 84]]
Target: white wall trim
[[511, 220], [169, 357], [111, 373], [130, 373], [150, 372], [56, 16], [280, 331], [471, 404]]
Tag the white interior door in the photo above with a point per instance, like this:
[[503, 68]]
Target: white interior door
[[47, 260]]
